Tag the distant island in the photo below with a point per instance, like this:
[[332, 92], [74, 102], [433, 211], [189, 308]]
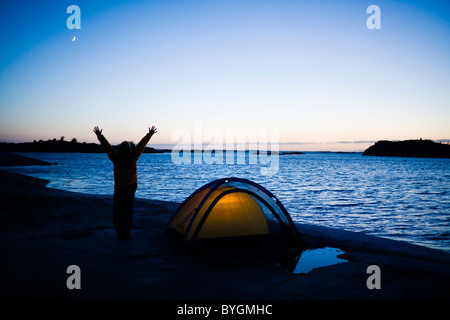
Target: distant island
[[409, 148], [290, 153], [61, 145]]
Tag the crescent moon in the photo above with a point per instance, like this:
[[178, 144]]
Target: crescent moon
[[74, 38]]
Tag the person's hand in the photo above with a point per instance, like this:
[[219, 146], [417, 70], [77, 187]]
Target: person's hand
[[97, 131], [152, 130]]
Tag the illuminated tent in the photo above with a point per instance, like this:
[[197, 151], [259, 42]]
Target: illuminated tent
[[231, 207]]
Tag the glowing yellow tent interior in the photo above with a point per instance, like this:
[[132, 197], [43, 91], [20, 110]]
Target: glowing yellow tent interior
[[231, 207]]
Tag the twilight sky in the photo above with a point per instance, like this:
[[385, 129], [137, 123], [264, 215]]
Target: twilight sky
[[310, 69]]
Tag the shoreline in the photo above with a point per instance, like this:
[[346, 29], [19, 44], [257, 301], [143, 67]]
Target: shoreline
[[44, 230], [435, 239]]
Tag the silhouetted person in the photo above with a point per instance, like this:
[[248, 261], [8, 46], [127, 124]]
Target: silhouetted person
[[125, 179]]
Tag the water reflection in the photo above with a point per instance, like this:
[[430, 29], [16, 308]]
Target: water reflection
[[303, 262]]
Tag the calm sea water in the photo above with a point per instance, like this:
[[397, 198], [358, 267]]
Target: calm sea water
[[398, 198]]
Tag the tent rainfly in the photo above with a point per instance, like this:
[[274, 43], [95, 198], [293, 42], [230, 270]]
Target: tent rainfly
[[231, 207]]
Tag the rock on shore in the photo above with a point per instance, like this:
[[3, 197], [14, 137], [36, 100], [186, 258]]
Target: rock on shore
[[43, 231]]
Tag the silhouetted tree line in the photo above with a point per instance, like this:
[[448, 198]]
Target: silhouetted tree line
[[54, 145]]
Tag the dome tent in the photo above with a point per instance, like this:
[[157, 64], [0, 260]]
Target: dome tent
[[231, 207]]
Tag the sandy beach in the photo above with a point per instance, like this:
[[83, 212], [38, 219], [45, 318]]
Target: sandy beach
[[44, 230]]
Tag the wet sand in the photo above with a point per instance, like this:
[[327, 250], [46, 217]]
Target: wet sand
[[44, 230]]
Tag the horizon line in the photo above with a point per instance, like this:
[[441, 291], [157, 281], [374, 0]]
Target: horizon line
[[253, 142]]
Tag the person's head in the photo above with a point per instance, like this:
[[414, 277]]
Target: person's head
[[124, 152], [124, 148]]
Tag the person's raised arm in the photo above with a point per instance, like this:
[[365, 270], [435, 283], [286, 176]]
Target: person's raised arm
[[105, 144], [141, 145]]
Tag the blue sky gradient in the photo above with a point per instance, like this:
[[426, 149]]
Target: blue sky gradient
[[310, 69]]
